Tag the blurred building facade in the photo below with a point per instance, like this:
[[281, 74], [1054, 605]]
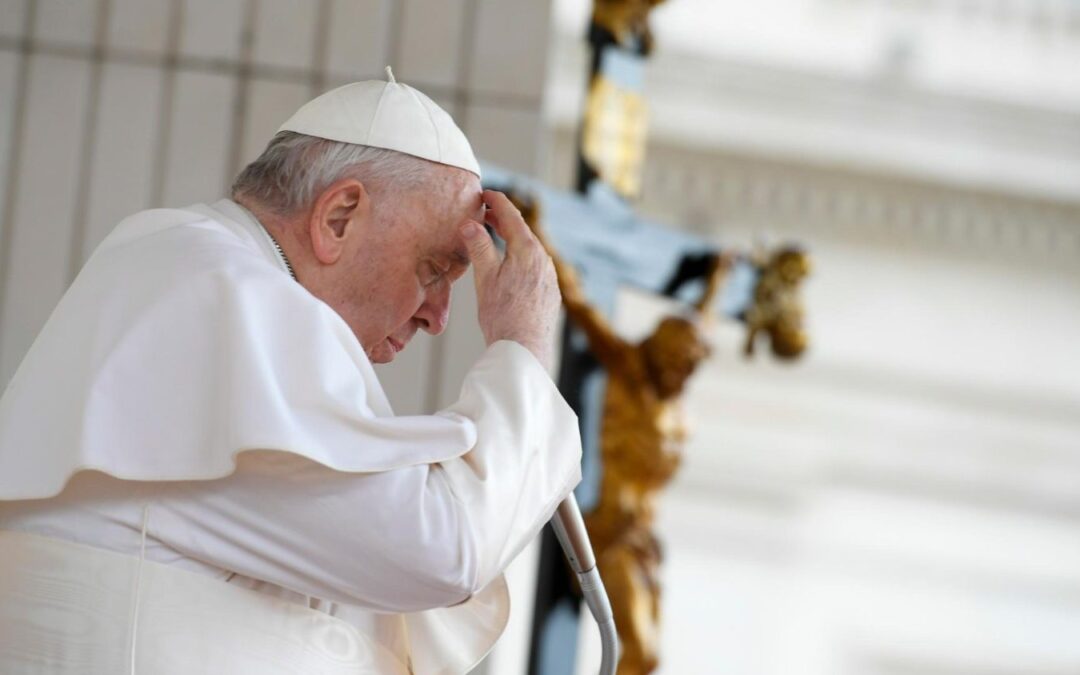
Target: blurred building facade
[[905, 500]]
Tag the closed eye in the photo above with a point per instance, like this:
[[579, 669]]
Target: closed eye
[[434, 274]]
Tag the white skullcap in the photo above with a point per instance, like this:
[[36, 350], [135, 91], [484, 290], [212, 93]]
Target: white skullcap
[[386, 115]]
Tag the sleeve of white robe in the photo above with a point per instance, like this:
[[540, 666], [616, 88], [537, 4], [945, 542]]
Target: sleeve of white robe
[[402, 540]]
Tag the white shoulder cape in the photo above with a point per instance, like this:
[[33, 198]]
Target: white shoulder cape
[[181, 344]]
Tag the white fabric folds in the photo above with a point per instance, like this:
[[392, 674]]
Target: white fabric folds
[[130, 615], [209, 350]]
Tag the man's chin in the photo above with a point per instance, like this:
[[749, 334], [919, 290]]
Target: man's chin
[[385, 351]]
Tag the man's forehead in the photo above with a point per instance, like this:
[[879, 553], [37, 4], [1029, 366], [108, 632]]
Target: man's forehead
[[464, 200], [459, 254]]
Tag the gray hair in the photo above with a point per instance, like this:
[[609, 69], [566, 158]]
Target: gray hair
[[295, 168]]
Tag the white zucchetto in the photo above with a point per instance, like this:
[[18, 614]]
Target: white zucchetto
[[387, 115]]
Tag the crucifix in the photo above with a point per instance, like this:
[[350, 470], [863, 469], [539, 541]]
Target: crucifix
[[626, 395]]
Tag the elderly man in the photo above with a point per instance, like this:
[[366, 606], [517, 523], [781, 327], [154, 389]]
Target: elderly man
[[199, 472]]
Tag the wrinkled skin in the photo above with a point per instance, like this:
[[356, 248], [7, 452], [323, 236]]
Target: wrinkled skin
[[386, 259]]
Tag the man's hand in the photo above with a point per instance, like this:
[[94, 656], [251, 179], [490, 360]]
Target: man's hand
[[517, 295]]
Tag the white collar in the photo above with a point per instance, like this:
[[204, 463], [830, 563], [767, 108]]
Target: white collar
[[237, 214]]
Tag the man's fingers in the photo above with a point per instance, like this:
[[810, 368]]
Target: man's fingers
[[481, 248], [506, 219]]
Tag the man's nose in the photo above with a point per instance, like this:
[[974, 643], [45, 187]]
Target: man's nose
[[435, 312]]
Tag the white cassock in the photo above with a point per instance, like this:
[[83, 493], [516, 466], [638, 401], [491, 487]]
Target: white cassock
[[199, 473]]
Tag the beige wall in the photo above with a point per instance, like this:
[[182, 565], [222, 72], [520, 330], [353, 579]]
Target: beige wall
[[902, 501], [112, 106]]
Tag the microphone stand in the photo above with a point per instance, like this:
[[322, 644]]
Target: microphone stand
[[570, 530]]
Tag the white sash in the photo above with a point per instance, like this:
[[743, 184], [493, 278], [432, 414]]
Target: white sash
[[67, 608]]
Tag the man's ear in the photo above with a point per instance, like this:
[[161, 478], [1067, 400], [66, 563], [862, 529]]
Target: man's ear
[[339, 213]]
